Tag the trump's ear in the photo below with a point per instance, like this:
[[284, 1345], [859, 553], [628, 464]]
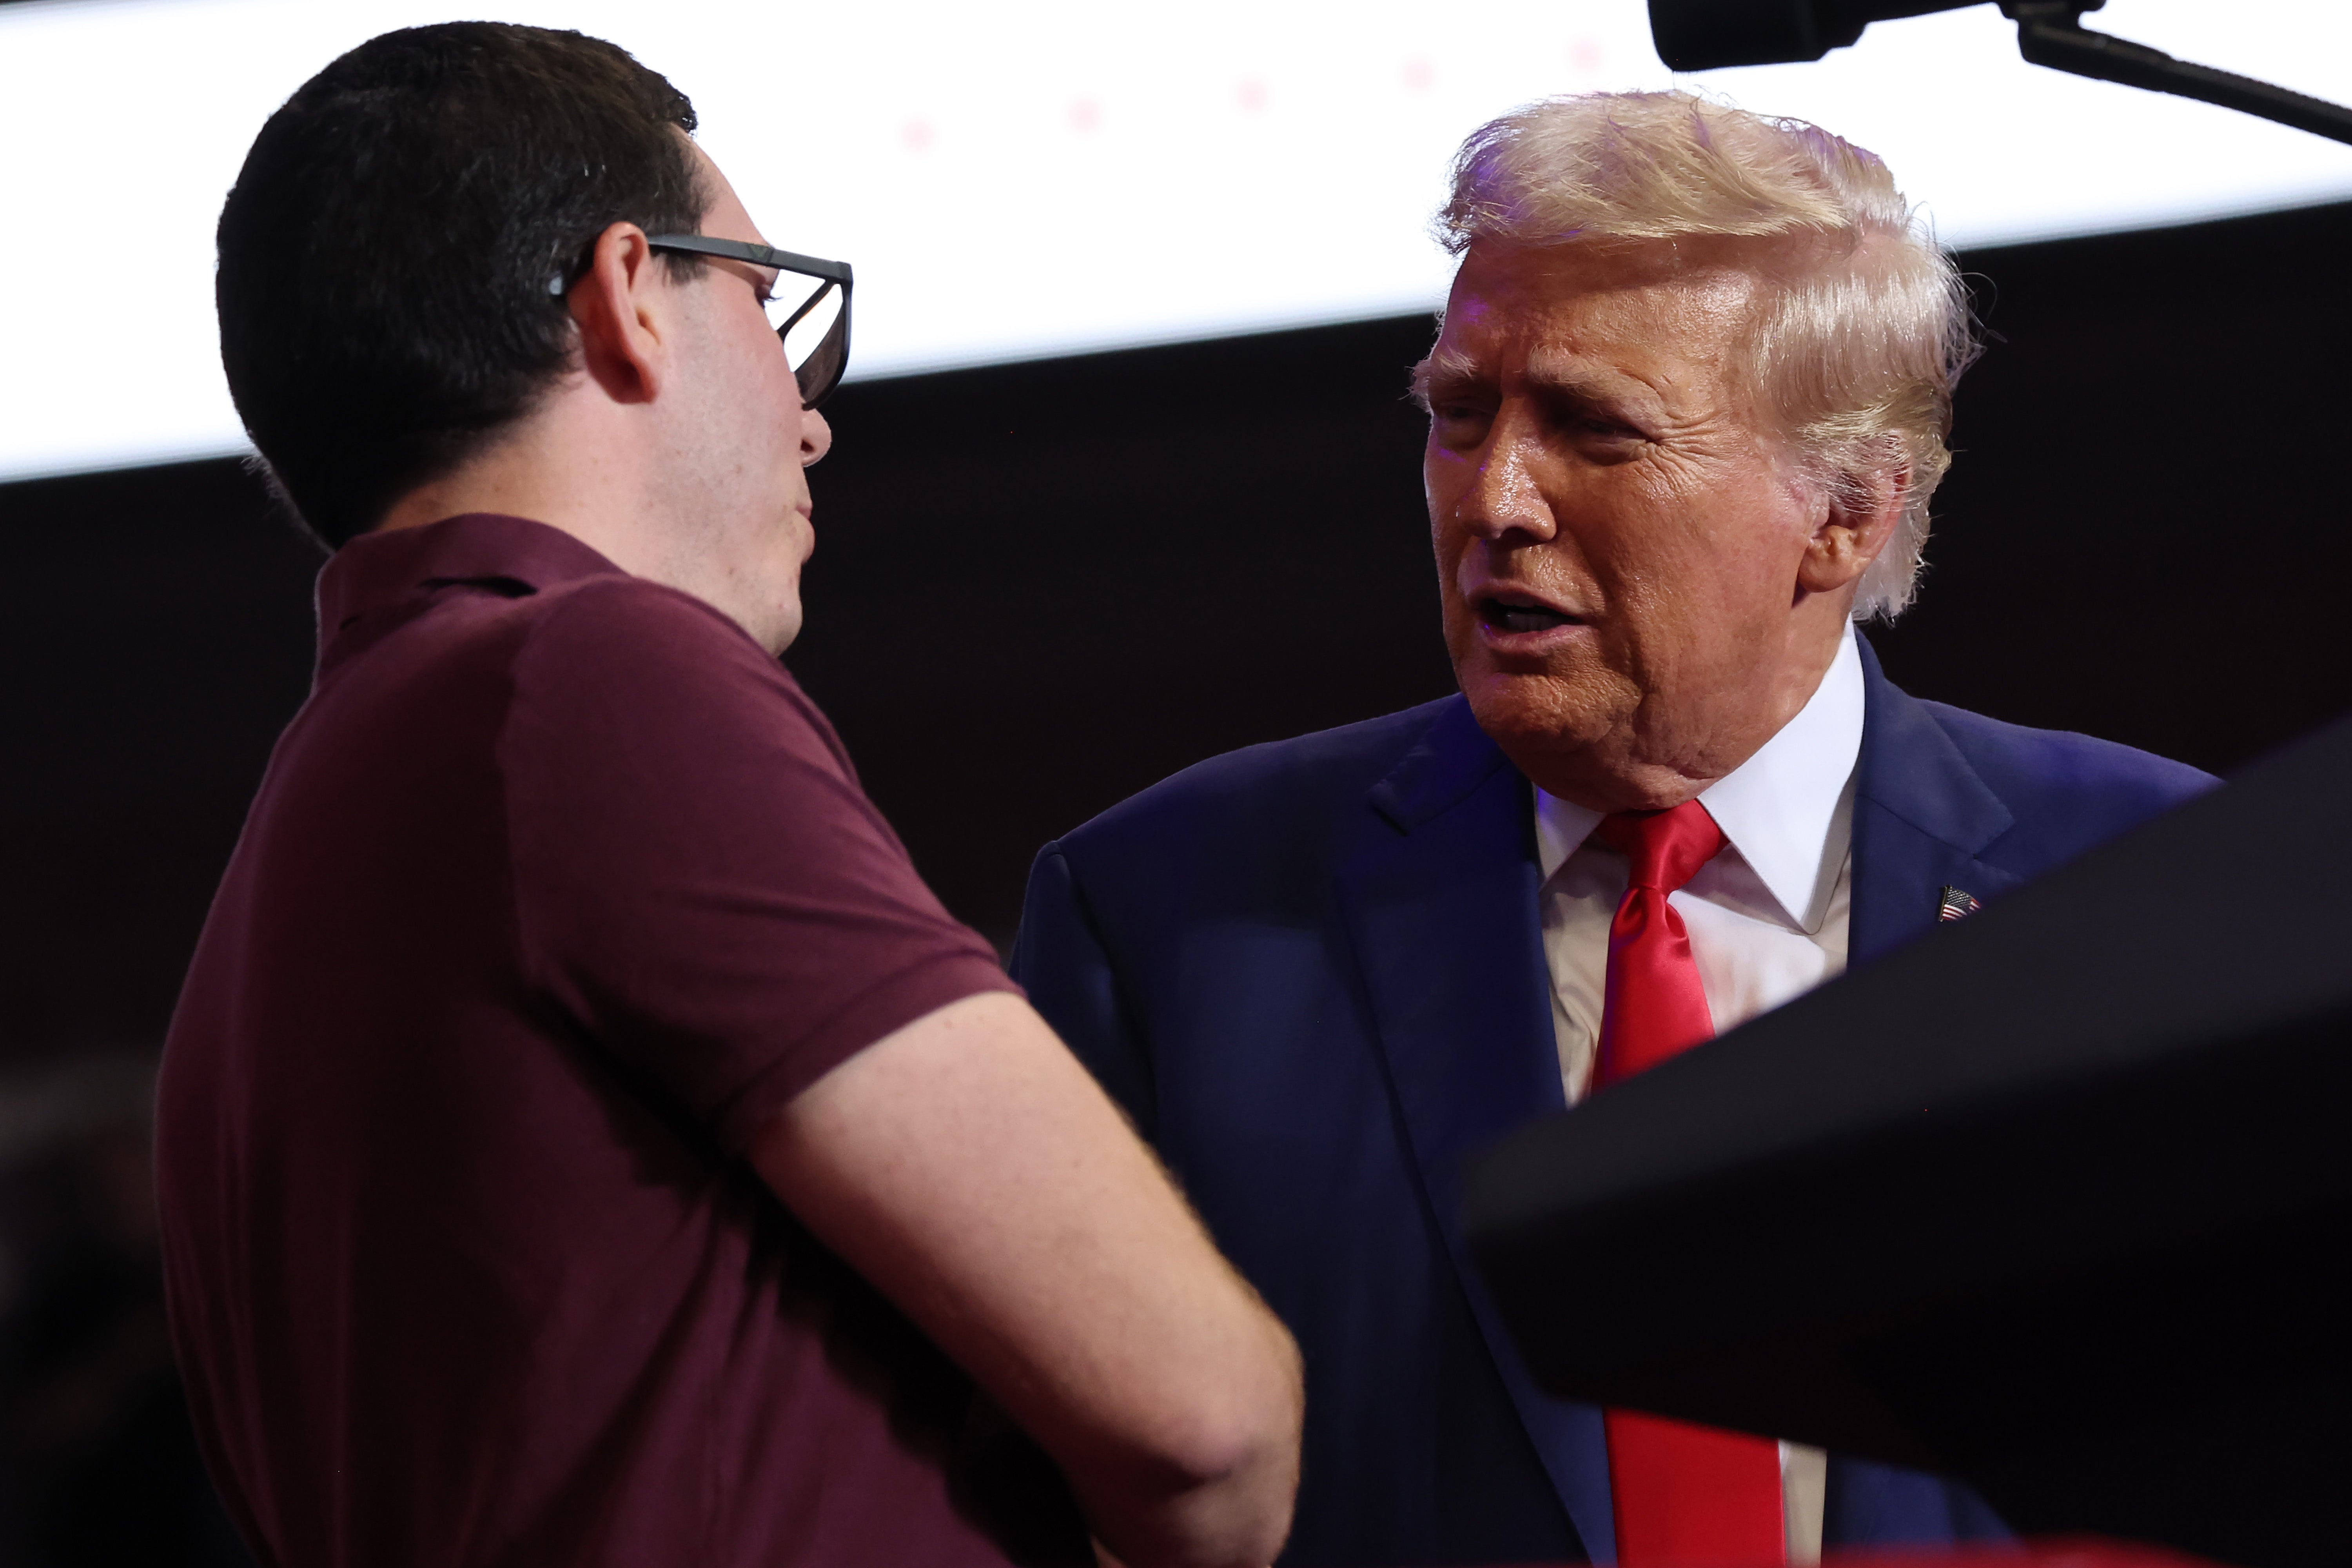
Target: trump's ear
[[1860, 520]]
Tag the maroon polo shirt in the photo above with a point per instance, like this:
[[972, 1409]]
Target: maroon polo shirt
[[556, 888]]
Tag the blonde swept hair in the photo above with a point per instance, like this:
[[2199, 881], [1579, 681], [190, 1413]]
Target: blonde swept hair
[[1865, 325]]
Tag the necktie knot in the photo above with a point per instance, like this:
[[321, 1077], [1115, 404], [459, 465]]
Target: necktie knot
[[1662, 849]]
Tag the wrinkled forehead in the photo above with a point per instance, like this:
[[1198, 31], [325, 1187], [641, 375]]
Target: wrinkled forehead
[[1694, 300]]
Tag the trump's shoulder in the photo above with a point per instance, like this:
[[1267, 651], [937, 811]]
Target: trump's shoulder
[[2062, 785], [1294, 790]]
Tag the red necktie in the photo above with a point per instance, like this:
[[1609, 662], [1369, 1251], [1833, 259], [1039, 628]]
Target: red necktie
[[1686, 1497]]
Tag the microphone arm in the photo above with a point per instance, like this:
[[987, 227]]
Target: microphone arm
[[1701, 35], [2051, 33]]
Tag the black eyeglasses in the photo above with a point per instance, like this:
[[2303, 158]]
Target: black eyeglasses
[[815, 333]]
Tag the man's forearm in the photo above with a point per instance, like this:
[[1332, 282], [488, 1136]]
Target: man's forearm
[[969, 1167], [1237, 1518]]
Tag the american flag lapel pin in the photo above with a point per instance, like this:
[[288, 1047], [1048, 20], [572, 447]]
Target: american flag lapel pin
[[1955, 905]]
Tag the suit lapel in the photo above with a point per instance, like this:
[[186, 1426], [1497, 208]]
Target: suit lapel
[[1442, 908], [1921, 818]]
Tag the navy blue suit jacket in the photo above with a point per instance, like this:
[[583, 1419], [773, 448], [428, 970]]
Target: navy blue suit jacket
[[1313, 972]]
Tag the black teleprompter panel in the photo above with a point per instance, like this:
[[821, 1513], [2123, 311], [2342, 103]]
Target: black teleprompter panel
[[2056, 1199]]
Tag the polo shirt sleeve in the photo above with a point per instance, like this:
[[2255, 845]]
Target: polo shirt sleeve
[[699, 883]]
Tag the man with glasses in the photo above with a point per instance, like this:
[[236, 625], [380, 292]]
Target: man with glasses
[[561, 944]]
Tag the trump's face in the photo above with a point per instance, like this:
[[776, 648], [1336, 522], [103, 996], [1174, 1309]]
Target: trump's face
[[1623, 539]]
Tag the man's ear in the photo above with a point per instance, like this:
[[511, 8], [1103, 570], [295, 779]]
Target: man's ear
[[1860, 521], [625, 322]]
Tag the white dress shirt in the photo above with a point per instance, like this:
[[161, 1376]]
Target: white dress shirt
[[1767, 919]]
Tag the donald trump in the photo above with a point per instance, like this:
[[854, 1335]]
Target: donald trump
[[1686, 412]]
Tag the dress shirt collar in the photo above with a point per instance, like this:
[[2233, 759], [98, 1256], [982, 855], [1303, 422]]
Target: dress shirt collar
[[1780, 809], [378, 571]]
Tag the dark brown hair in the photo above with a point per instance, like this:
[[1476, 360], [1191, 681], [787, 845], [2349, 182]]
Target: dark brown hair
[[387, 251]]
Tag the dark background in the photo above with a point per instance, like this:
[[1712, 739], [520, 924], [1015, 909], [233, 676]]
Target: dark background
[[1040, 587]]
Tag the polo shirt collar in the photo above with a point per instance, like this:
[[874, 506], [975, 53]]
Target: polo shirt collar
[[377, 570], [1780, 808]]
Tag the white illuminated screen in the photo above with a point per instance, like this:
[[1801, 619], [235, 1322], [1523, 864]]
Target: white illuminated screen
[[1035, 177]]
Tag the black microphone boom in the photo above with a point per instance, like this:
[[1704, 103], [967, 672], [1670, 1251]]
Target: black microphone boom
[[1703, 35]]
